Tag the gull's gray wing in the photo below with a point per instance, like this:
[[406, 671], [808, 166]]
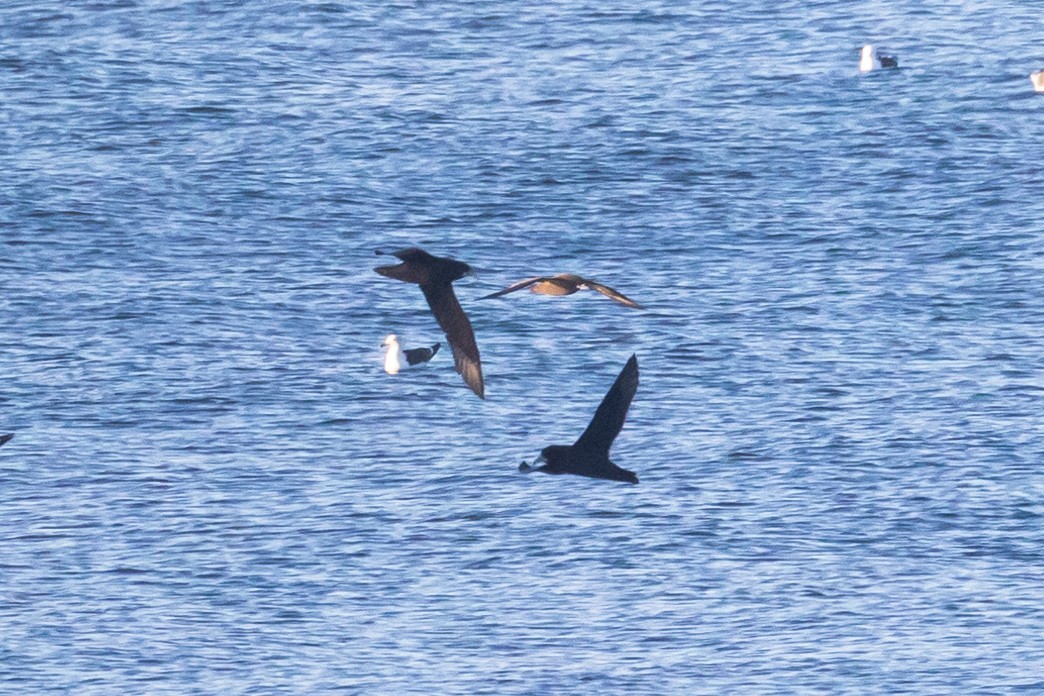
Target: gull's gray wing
[[419, 355]]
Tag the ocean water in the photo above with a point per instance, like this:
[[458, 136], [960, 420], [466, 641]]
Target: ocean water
[[215, 489]]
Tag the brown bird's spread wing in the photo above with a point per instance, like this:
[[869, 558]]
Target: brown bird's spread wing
[[613, 294], [612, 412], [455, 324], [517, 286]]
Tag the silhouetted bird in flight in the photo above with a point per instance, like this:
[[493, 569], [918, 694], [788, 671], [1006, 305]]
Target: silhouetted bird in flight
[[396, 358], [565, 284], [589, 455], [435, 275]]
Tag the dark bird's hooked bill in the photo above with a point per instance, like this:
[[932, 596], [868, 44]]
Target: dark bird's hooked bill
[[565, 284], [589, 455], [435, 276]]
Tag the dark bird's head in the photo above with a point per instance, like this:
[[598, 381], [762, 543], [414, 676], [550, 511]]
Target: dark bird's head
[[553, 454], [418, 266], [551, 457]]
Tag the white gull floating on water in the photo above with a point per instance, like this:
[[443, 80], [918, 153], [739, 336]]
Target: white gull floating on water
[[396, 358], [871, 58]]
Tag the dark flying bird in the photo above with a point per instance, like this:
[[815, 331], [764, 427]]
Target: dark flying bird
[[589, 455], [435, 275], [565, 284], [5, 438], [396, 358]]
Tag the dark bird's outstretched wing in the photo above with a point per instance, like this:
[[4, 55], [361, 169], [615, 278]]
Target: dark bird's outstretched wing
[[5, 438], [612, 412], [517, 286], [613, 294], [455, 324], [420, 355]]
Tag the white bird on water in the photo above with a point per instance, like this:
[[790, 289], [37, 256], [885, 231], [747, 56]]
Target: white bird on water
[[871, 58], [396, 358], [1037, 78]]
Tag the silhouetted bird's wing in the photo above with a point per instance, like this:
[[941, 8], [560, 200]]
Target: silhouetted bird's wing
[[613, 294], [455, 324], [612, 412], [5, 438], [517, 286]]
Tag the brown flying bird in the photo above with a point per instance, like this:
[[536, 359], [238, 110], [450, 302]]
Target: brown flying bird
[[565, 284]]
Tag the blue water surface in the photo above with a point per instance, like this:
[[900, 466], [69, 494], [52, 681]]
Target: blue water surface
[[214, 488]]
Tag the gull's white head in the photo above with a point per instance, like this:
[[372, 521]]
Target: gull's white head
[[866, 59], [1037, 78], [392, 364]]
